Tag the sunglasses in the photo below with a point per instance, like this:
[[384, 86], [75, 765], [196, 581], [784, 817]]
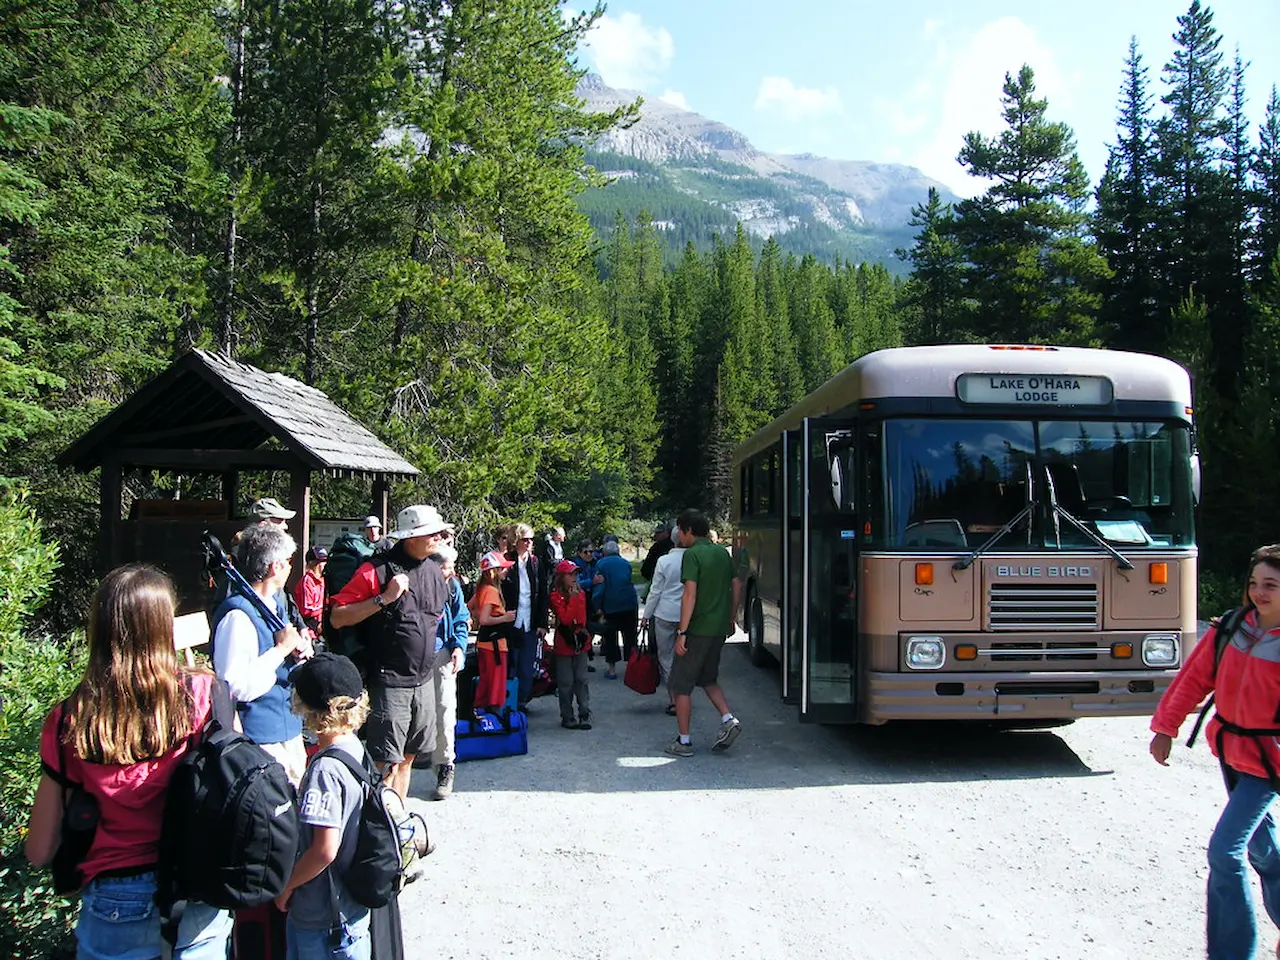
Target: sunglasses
[[526, 539]]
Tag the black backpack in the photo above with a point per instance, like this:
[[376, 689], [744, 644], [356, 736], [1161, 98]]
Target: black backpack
[[385, 842], [1225, 628], [229, 837]]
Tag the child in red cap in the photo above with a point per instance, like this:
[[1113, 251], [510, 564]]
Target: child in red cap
[[571, 642]]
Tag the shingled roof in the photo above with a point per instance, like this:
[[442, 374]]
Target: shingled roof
[[207, 401]]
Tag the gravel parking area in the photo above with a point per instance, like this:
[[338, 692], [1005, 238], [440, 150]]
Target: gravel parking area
[[907, 841]]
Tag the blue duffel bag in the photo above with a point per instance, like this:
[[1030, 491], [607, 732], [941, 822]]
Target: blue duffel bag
[[492, 735]]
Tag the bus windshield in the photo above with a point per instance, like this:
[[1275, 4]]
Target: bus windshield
[[953, 483]]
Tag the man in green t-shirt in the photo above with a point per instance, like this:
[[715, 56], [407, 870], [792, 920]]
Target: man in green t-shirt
[[706, 618]]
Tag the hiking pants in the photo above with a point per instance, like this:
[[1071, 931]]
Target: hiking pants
[[571, 682]]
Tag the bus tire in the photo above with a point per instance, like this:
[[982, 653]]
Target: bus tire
[[755, 632]]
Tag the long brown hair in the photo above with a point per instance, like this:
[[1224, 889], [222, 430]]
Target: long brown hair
[[131, 704]]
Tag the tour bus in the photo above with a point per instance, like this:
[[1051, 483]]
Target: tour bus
[[974, 532]]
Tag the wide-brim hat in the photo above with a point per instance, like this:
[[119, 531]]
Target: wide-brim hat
[[419, 521]]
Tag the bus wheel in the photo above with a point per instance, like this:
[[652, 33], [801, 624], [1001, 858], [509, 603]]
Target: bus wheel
[[755, 633]]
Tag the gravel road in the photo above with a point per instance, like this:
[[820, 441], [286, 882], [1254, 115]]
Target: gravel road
[[908, 841]]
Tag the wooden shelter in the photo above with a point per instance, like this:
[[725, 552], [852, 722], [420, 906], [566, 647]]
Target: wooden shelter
[[207, 414]]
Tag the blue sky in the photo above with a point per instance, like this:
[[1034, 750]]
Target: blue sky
[[904, 81]]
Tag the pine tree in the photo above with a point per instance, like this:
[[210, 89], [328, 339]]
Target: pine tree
[[1266, 171], [316, 83], [1030, 274], [933, 292], [21, 385], [771, 295], [1125, 223], [749, 393], [1191, 185], [814, 324]]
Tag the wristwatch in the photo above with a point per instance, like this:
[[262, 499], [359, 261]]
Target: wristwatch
[[377, 598], [682, 633]]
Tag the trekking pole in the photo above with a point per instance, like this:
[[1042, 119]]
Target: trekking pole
[[218, 557]]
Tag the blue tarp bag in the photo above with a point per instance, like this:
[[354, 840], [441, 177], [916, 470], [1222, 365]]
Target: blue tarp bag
[[492, 735]]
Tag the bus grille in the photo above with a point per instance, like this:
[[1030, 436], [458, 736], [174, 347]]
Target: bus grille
[[1034, 651], [1043, 606]]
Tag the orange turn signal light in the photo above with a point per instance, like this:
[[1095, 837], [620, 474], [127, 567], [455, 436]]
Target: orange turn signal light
[[924, 574], [1158, 573], [1122, 651], [966, 651]]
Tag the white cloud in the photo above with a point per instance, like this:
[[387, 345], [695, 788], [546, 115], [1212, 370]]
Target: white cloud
[[626, 52], [780, 95], [676, 99], [969, 76]]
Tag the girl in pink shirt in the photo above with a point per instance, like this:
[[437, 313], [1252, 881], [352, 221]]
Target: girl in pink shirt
[[120, 735]]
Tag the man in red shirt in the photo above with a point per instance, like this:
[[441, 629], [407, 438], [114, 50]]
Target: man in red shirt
[[309, 591]]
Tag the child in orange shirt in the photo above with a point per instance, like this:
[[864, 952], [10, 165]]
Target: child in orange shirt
[[572, 641], [491, 640]]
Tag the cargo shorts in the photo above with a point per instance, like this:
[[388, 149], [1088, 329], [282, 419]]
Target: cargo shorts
[[699, 667], [399, 718]]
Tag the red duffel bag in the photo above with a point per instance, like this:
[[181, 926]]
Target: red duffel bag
[[642, 668]]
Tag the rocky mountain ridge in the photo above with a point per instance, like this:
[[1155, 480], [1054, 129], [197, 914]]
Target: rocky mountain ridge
[[850, 207]]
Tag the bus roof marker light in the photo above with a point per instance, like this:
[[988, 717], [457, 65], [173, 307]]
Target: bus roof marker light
[[1158, 573], [924, 574]]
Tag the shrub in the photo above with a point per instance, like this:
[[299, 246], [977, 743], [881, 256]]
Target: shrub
[[1217, 592], [35, 673]]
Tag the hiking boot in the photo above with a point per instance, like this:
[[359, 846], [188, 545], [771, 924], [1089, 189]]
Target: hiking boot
[[584, 721], [444, 781], [729, 731], [678, 749], [569, 724]]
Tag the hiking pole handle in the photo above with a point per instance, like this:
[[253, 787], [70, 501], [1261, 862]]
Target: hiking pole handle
[[236, 579]]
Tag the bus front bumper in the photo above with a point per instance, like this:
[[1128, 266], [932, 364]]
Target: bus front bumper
[[1031, 696]]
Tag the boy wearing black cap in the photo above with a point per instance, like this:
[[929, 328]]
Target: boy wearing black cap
[[330, 697]]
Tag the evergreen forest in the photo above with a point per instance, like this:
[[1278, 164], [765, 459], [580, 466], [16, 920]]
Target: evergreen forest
[[383, 200]]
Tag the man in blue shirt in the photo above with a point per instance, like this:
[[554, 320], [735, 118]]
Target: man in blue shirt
[[614, 601]]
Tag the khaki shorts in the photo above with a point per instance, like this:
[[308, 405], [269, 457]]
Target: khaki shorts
[[699, 667], [398, 721]]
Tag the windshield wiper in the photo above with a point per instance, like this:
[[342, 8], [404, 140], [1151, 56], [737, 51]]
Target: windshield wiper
[[991, 540], [1061, 511]]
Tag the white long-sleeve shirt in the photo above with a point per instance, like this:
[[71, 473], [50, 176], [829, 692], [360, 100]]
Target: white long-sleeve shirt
[[663, 602], [236, 659]]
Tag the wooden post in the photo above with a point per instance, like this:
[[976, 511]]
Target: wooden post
[[110, 485], [381, 502], [231, 490], [300, 526]]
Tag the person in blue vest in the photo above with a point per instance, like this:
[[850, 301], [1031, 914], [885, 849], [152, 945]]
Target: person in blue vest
[[451, 656], [255, 662]]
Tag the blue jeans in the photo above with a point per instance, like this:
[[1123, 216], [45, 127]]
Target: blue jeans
[[119, 921], [350, 942], [1245, 828]]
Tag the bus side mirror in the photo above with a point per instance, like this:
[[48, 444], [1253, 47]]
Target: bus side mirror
[[1195, 478]]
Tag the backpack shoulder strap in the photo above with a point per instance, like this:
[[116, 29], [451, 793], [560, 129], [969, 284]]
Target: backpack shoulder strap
[[59, 775], [1224, 628], [360, 771]]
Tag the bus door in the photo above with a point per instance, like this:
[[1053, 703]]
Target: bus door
[[829, 527], [791, 607]]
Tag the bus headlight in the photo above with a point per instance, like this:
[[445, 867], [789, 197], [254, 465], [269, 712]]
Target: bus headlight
[[1160, 650], [926, 653]]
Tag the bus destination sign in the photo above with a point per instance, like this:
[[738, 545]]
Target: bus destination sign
[[1051, 389]]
